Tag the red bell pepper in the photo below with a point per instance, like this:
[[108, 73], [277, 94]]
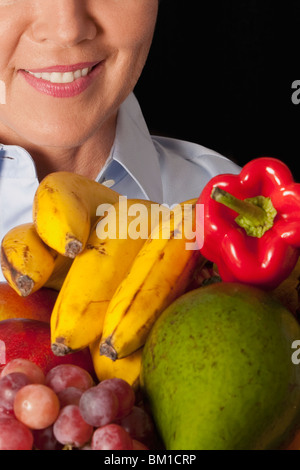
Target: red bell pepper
[[252, 223]]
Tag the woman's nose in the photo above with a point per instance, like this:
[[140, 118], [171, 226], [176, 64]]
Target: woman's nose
[[63, 22]]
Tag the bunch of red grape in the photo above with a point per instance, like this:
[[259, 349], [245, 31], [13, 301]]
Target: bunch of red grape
[[65, 409]]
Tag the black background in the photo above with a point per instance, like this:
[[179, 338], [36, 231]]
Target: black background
[[221, 73]]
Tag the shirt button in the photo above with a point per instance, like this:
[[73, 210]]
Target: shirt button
[[108, 183]]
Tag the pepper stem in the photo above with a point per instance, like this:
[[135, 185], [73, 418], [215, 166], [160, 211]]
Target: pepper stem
[[256, 215]]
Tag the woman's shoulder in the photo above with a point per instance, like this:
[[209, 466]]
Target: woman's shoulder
[[174, 148], [187, 166]]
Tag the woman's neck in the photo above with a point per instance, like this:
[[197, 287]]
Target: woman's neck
[[86, 158]]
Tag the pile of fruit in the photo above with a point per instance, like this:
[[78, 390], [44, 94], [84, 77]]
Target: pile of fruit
[[203, 337], [65, 409], [64, 278], [105, 257]]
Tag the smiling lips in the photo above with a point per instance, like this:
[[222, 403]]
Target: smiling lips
[[63, 81]]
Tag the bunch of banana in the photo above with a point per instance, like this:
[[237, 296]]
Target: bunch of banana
[[95, 274], [160, 273], [65, 209]]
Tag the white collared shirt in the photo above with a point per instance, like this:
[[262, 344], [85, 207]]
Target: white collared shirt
[[142, 166]]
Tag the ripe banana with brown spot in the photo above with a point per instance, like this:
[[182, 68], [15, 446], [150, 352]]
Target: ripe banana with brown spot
[[28, 263], [95, 274], [65, 209], [160, 273], [128, 368]]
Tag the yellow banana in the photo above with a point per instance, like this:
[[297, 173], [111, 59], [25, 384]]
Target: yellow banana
[[95, 274], [62, 265], [160, 273], [26, 261], [65, 209], [127, 369]]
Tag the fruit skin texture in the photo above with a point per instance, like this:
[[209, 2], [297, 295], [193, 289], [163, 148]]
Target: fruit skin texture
[[26, 261], [128, 368], [160, 273], [37, 406], [217, 370], [61, 200], [92, 280], [30, 339], [20, 436], [28, 264], [37, 306]]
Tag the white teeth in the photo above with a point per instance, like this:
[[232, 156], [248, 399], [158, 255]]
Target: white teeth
[[77, 74], [58, 77]]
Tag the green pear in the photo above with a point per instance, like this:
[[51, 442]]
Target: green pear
[[217, 370]]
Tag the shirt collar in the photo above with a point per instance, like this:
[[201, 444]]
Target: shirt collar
[[134, 150], [16, 162]]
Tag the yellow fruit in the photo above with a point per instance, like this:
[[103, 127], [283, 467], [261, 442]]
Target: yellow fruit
[[127, 369], [65, 209], [26, 261], [160, 273], [61, 267], [95, 274]]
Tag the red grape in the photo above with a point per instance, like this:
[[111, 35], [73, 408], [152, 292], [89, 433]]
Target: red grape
[[9, 386], [66, 408], [44, 439], [70, 428], [14, 435], [68, 375], [32, 370], [111, 437], [37, 406], [139, 425], [69, 396], [124, 392], [98, 406]]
